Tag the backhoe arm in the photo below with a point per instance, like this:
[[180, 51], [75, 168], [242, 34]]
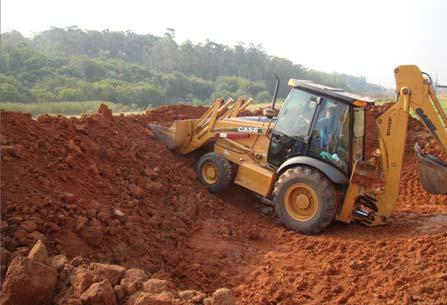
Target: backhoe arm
[[374, 207], [418, 93]]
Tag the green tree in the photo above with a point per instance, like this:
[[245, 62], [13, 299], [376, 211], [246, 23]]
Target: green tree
[[9, 93], [125, 67], [43, 95], [70, 94]]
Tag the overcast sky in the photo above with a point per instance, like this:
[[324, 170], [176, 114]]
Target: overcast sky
[[366, 38]]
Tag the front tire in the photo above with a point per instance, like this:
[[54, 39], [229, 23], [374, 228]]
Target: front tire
[[214, 171], [305, 200]]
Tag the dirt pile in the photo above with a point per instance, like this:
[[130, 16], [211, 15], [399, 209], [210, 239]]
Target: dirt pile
[[99, 186], [37, 279], [118, 211], [167, 114]]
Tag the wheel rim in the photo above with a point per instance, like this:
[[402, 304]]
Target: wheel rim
[[301, 201], [209, 172]]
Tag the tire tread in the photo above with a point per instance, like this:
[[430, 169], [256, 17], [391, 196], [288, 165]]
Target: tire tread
[[225, 167], [326, 195]]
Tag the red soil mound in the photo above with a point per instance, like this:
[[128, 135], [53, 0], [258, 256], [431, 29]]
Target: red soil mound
[[99, 186]]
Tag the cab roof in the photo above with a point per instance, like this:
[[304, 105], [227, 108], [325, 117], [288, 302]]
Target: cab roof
[[336, 93]]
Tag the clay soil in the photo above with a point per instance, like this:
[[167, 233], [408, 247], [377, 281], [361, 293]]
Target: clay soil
[[101, 188]]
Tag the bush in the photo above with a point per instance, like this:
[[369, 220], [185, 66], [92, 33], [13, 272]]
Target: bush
[[145, 95], [70, 94], [12, 90], [42, 95], [9, 93]]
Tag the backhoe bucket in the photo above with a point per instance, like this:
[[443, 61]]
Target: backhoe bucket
[[432, 172], [175, 136]]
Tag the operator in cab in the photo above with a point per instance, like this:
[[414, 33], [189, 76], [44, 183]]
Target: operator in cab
[[327, 128], [326, 136]]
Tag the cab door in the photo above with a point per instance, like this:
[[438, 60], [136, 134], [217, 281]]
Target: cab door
[[290, 136], [330, 135]]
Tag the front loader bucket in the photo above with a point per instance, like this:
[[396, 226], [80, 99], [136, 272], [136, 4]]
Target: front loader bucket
[[432, 172], [176, 136]]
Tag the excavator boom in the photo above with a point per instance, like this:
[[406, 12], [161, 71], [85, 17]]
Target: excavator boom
[[426, 106], [418, 94], [372, 206]]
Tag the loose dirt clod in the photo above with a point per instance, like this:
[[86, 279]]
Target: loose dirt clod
[[108, 199], [30, 280]]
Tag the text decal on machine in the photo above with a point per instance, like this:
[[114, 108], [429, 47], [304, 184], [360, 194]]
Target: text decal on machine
[[249, 129]]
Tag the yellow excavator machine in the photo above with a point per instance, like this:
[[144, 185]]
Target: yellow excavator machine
[[310, 159]]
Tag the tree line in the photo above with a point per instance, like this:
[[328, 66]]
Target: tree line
[[70, 64]]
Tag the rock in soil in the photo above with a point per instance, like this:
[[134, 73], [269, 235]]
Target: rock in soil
[[28, 282], [39, 253], [133, 279], [100, 293]]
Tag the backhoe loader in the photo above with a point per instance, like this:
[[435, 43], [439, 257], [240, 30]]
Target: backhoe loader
[[309, 161]]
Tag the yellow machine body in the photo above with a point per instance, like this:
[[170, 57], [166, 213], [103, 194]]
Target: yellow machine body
[[241, 141], [245, 142]]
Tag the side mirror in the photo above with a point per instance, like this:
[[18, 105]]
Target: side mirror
[[267, 112]]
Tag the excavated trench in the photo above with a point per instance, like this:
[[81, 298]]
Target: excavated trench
[[102, 189]]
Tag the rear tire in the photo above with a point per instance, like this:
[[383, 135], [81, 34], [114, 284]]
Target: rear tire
[[214, 171], [305, 200]]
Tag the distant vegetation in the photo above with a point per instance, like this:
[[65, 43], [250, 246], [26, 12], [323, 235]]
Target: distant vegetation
[[67, 108], [139, 71]]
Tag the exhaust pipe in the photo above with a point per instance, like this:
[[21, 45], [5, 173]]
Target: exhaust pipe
[[270, 113], [275, 93]]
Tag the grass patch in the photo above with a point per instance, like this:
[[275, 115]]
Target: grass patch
[[66, 108]]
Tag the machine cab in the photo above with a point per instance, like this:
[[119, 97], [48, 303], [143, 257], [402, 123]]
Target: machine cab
[[322, 123]]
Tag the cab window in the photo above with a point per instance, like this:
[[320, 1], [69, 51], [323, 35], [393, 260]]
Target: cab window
[[330, 135], [296, 114]]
